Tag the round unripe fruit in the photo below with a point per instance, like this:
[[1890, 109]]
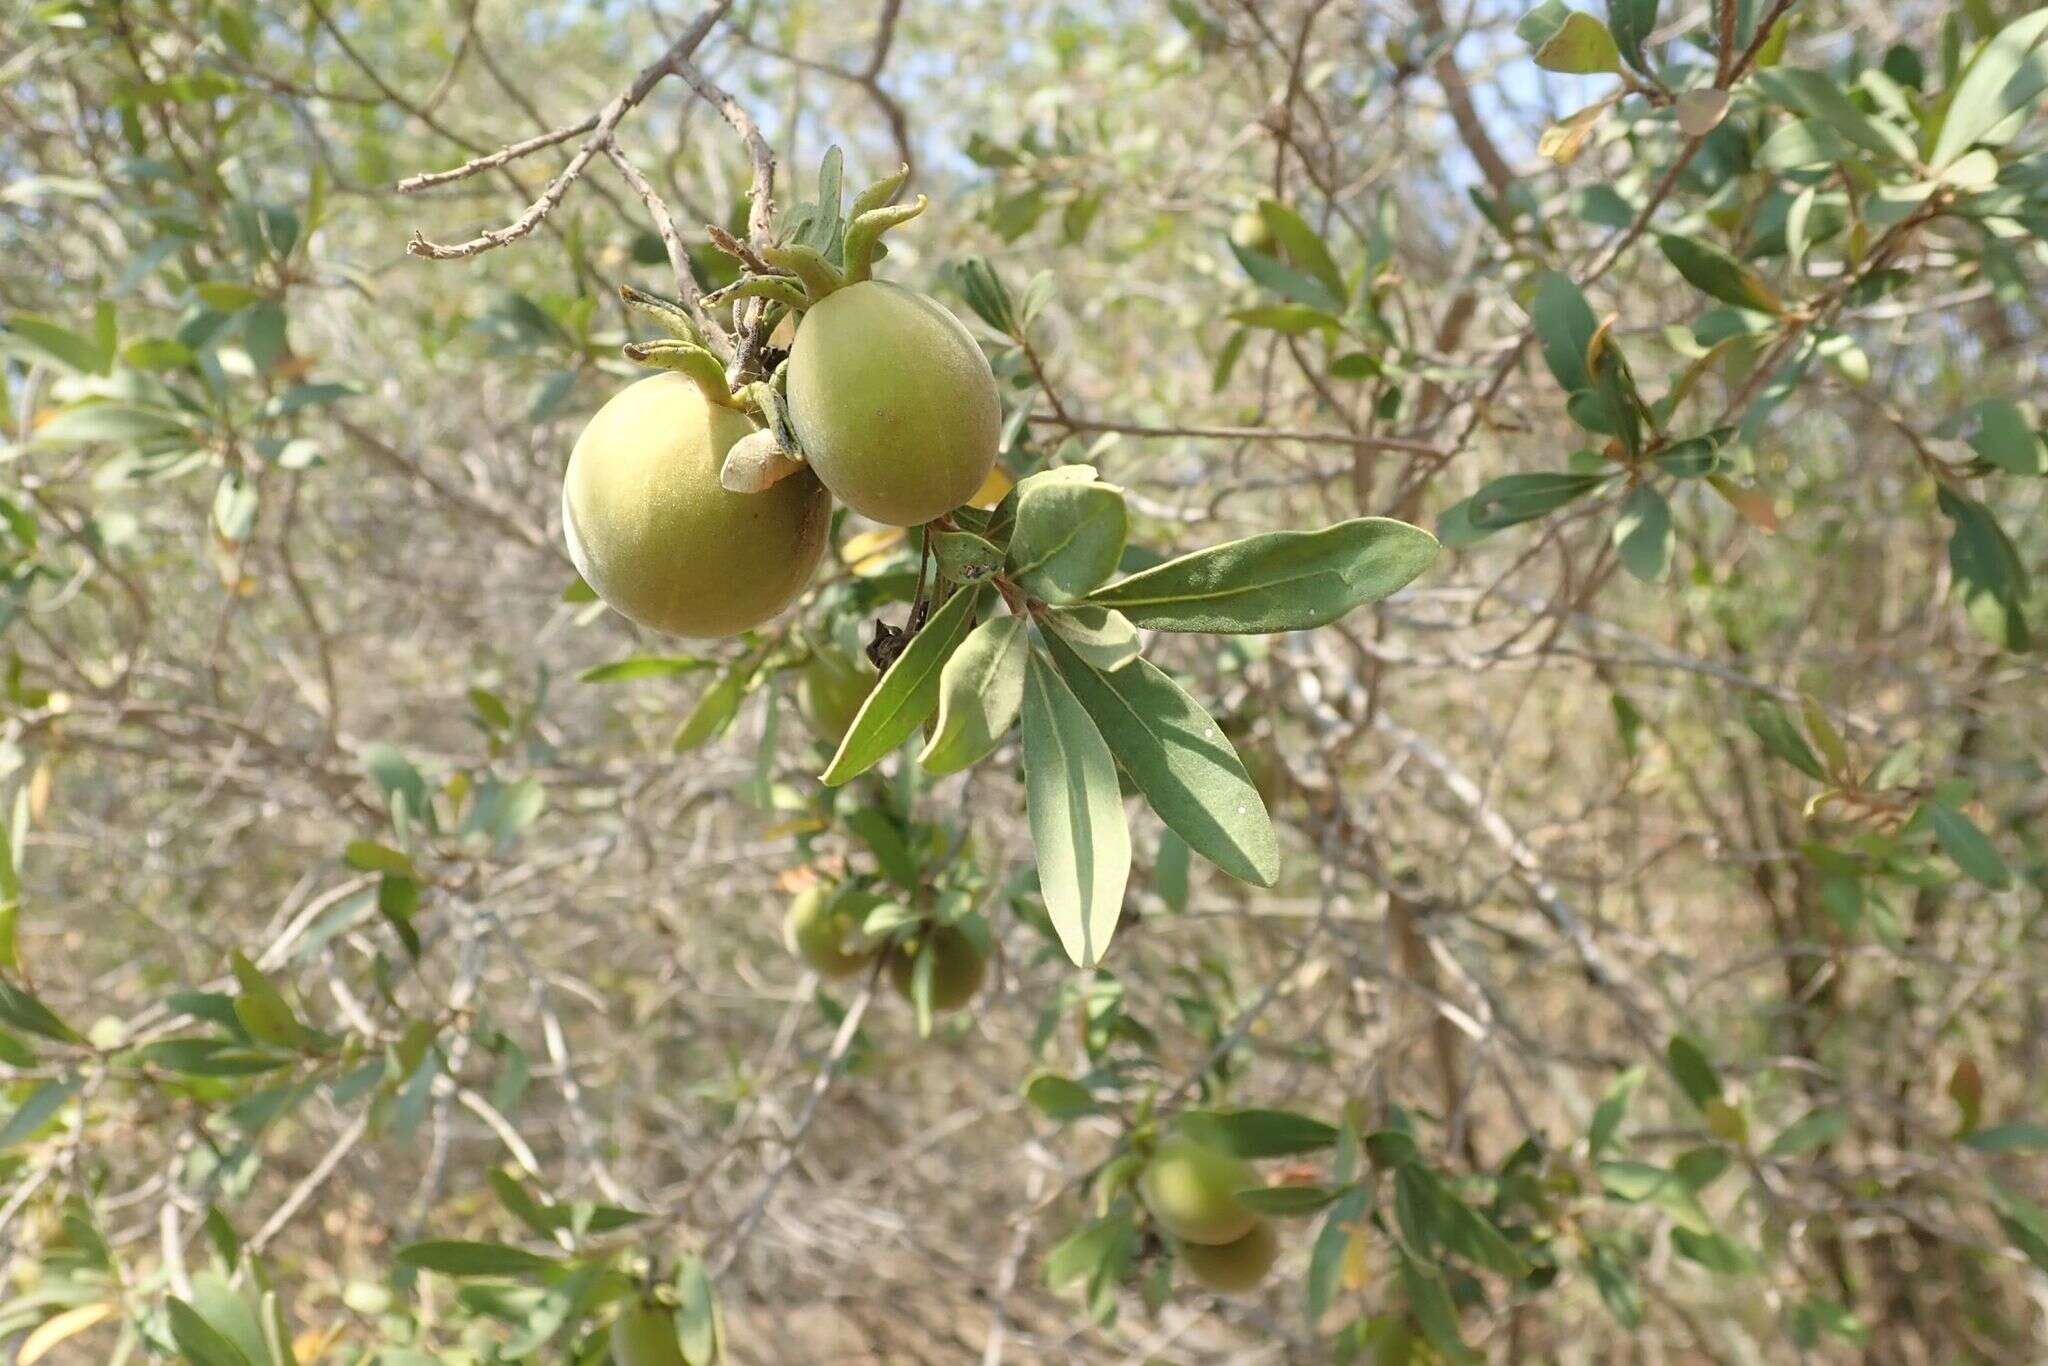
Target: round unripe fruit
[[829, 693], [655, 535], [1251, 231], [645, 1335], [957, 969], [893, 402], [1192, 1191], [818, 937], [1235, 1267]]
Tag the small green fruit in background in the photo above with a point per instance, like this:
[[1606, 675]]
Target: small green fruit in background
[[893, 402], [817, 936], [829, 691], [958, 968], [1192, 1191], [655, 535], [644, 1334], [1234, 1267], [1251, 231]]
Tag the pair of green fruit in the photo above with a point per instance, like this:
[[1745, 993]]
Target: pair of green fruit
[[894, 406], [817, 935], [1191, 1191]]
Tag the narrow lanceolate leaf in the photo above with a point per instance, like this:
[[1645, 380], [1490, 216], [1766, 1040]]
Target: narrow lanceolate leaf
[[1717, 273], [1068, 540], [1179, 758], [981, 690], [452, 1258], [2008, 75], [1962, 841], [1077, 815], [908, 693], [1281, 581]]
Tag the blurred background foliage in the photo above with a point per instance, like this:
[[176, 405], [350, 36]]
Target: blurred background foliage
[[1654, 972]]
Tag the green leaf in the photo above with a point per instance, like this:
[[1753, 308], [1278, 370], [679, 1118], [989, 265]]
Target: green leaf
[[981, 690], [1305, 247], [1613, 1107], [1327, 1257], [371, 857], [964, 557], [1258, 1133], [1290, 1201], [644, 666], [909, 692], [1639, 1183], [2006, 76], [461, 1259], [2000, 433], [697, 1326], [715, 710], [36, 1111], [1180, 760], [96, 421], [42, 339], [1987, 570], [1820, 96], [225, 296], [1631, 22], [1289, 319], [1428, 1298], [1564, 325], [1568, 40], [1962, 841], [1715, 272], [1077, 815], [1999, 1138], [878, 830], [1804, 143], [1105, 638], [1105, 1240], [1815, 1129], [1068, 538], [200, 1342], [24, 1012], [262, 1009], [1695, 1075], [1292, 285], [1516, 498], [1782, 738], [1059, 1098], [1280, 581], [1642, 534]]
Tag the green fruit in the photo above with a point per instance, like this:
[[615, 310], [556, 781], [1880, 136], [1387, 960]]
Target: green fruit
[[893, 403], [1192, 1191], [829, 693], [957, 968], [1235, 1267], [818, 937], [1251, 231], [653, 532], [645, 1335]]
